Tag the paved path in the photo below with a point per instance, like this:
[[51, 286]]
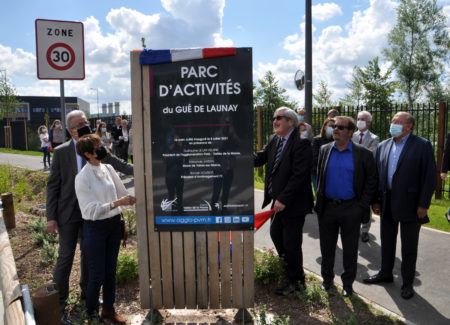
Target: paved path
[[431, 303]]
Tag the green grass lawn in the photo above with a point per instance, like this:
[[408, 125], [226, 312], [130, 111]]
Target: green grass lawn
[[436, 213], [21, 152]]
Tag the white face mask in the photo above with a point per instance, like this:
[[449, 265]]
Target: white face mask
[[304, 134], [361, 125]]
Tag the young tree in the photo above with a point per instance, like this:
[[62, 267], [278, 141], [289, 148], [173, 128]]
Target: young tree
[[323, 95], [377, 87], [419, 45], [269, 95], [355, 97], [8, 101]]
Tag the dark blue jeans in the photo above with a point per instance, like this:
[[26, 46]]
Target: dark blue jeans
[[101, 243], [46, 155]]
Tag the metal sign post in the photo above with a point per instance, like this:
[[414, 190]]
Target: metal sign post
[[60, 53]]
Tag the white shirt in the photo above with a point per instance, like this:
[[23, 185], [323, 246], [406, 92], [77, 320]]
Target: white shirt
[[96, 187], [43, 136]]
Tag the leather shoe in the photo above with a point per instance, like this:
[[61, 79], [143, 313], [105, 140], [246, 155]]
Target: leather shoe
[[288, 289], [378, 278], [347, 291], [365, 237], [65, 320], [325, 286], [112, 315], [407, 293]]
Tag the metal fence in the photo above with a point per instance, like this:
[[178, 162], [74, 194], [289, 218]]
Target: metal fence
[[426, 123]]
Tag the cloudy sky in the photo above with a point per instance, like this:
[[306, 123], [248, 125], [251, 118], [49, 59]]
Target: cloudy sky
[[345, 34]]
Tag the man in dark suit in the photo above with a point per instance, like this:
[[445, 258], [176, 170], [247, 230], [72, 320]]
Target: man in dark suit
[[407, 180], [63, 212], [288, 162], [116, 135], [446, 167], [346, 185]]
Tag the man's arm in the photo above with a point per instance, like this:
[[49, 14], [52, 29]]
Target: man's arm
[[261, 157], [118, 164], [370, 178], [428, 175], [53, 190]]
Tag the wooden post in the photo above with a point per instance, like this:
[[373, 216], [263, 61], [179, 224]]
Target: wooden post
[[259, 131], [8, 210], [9, 281], [440, 147], [26, 135]]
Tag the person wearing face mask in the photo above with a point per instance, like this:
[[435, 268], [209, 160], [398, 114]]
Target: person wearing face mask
[[325, 136], [369, 140], [100, 195], [43, 135], [301, 115], [62, 209], [56, 134], [103, 134], [407, 179]]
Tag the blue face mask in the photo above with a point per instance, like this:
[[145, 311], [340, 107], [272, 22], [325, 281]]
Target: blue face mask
[[329, 130], [58, 125], [44, 130], [103, 129], [300, 118], [396, 130]]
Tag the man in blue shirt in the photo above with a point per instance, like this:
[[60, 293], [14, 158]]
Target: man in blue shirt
[[346, 186], [407, 178]]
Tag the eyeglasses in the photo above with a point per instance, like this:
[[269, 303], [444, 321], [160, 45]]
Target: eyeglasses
[[278, 117], [80, 125], [340, 127]]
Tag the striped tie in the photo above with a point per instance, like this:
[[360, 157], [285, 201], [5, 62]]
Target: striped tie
[[276, 162]]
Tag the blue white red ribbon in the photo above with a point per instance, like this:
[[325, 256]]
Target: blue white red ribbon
[[174, 55]]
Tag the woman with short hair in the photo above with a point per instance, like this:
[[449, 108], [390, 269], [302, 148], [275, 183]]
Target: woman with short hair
[[100, 195]]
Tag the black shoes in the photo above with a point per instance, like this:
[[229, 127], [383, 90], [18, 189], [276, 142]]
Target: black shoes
[[378, 278], [407, 293], [65, 320], [364, 237], [288, 289], [325, 286], [347, 291]]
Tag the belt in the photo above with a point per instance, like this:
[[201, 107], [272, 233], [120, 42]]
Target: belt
[[337, 201]]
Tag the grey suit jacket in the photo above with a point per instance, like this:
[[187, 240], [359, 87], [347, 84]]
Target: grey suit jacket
[[369, 140], [61, 198]]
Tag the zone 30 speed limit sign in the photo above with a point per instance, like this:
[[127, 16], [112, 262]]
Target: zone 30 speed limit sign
[[59, 49]]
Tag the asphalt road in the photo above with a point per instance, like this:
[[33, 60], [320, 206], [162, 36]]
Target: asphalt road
[[431, 303]]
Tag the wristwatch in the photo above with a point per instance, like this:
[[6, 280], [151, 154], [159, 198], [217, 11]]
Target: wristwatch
[[112, 206]]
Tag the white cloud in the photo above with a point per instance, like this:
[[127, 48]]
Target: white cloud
[[336, 50], [325, 11], [185, 23]]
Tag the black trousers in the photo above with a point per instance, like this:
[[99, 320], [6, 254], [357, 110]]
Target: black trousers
[[287, 236], [69, 235], [409, 234], [346, 219]]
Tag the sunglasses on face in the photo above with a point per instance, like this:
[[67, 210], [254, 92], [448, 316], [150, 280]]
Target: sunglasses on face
[[340, 127], [278, 117]]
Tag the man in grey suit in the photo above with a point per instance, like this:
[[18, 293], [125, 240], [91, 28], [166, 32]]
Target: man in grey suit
[[369, 140], [63, 212]]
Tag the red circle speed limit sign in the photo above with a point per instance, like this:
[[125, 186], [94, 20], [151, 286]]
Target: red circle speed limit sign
[[60, 56], [59, 49]]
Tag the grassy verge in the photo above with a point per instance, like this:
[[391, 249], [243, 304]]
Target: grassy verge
[[21, 152], [436, 213]]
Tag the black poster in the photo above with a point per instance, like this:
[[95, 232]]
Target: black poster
[[202, 145]]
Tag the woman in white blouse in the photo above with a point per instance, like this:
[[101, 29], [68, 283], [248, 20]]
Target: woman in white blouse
[[100, 194]]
